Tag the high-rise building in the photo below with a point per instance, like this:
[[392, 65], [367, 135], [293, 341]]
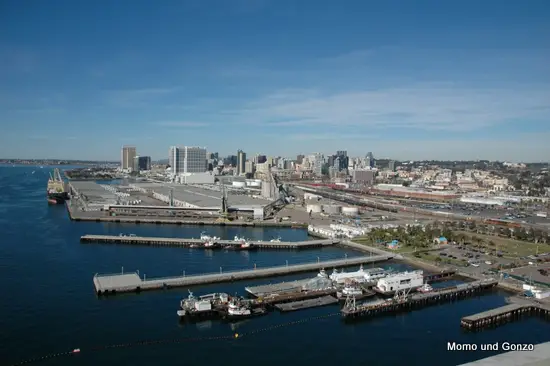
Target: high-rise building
[[241, 159], [392, 165], [370, 160], [299, 159], [142, 163], [261, 159], [187, 159], [127, 157], [249, 167]]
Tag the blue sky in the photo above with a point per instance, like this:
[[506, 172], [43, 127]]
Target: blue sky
[[403, 79]]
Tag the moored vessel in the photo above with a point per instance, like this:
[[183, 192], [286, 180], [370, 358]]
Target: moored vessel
[[341, 277], [425, 288], [56, 191]]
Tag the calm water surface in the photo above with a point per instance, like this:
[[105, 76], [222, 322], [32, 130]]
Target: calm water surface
[[48, 304]]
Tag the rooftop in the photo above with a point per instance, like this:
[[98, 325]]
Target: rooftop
[[94, 192], [202, 197]]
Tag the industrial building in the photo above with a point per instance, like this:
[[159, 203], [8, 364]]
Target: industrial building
[[363, 176]]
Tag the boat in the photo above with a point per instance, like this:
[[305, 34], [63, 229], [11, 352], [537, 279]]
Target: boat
[[195, 245], [247, 246], [425, 288], [340, 277], [352, 289], [208, 237], [205, 305], [322, 273], [241, 239], [277, 240], [237, 309], [399, 282], [374, 274], [210, 244], [56, 191]]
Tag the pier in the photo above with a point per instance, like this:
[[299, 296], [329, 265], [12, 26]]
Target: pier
[[538, 356], [118, 283], [519, 308], [306, 304], [418, 300], [185, 242]]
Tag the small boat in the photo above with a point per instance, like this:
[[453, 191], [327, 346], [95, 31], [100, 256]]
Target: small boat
[[208, 237], [425, 288], [352, 289], [277, 240], [211, 244], [241, 239], [322, 273], [238, 310], [247, 246], [195, 245]]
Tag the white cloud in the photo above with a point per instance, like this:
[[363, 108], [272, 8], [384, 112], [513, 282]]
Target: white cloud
[[438, 106], [136, 97], [182, 124]]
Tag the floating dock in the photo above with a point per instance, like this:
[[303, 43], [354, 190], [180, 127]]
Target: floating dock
[[418, 300], [505, 314], [183, 242], [306, 304], [118, 283]]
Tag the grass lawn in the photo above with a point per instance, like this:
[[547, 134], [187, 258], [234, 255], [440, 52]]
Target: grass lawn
[[512, 247]]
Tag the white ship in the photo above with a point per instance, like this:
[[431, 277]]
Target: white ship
[[278, 240], [340, 277], [401, 281], [374, 274], [241, 239]]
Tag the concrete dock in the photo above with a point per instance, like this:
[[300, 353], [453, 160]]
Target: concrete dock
[[518, 308], [306, 304], [185, 242], [539, 356], [117, 283]]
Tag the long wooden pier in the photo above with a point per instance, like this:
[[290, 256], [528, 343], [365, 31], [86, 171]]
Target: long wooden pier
[[519, 308], [132, 282], [186, 242], [419, 299]]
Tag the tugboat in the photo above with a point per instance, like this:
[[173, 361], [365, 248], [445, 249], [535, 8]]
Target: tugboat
[[238, 310]]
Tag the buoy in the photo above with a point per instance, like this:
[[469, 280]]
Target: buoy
[[236, 335], [76, 350]]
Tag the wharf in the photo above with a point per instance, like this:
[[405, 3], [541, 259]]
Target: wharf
[[185, 242], [78, 216], [306, 304], [418, 300], [518, 308], [114, 283], [539, 356]]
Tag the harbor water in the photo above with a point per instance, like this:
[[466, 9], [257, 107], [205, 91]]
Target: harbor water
[[48, 304]]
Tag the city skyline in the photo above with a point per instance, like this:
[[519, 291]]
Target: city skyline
[[408, 81]]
